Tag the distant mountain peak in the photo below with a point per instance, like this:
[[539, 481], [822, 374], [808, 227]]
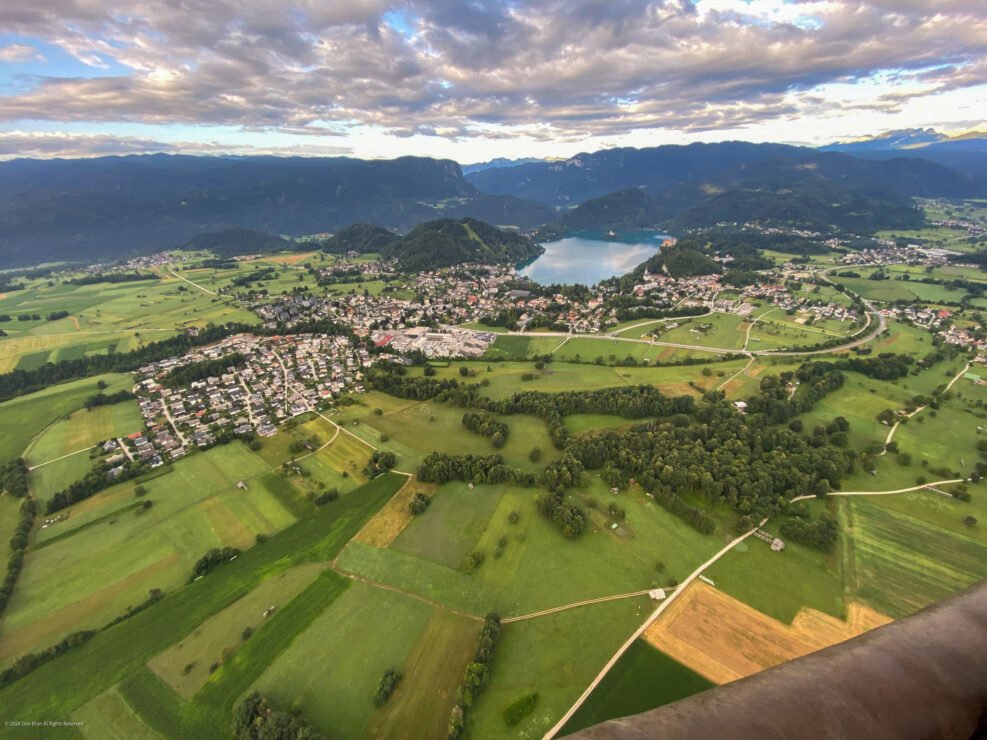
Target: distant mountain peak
[[908, 138]]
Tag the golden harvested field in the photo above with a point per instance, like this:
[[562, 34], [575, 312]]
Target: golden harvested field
[[391, 520], [724, 639]]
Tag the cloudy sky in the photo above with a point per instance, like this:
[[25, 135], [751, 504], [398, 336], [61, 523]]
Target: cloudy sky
[[474, 80]]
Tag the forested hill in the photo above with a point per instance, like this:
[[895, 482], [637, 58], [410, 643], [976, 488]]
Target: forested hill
[[361, 238], [685, 259], [231, 242], [448, 242], [436, 244], [814, 204], [625, 209], [118, 206], [832, 192]]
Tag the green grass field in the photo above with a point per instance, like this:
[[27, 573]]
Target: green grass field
[[61, 448], [433, 672], [185, 665], [899, 564], [599, 564], [726, 331], [414, 431], [451, 526], [107, 555], [505, 377], [779, 584], [557, 656], [58, 474], [903, 339], [109, 717], [122, 315], [25, 417], [332, 668], [57, 689], [900, 290], [643, 678]]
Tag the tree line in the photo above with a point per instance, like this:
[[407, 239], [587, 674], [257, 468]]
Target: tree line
[[629, 402], [438, 467], [820, 534], [213, 558], [18, 544], [555, 505], [92, 483], [106, 399], [477, 675], [113, 277]]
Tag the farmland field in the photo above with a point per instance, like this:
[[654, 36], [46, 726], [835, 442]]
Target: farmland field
[[723, 639], [557, 656], [57, 689], [329, 669], [416, 430], [600, 564], [102, 315], [433, 670], [107, 555], [780, 584], [328, 592], [644, 678], [899, 565], [25, 417], [185, 666], [108, 717], [83, 429]]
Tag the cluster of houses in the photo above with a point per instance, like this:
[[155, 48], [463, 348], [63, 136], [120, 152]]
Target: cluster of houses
[[889, 253], [779, 295], [277, 378]]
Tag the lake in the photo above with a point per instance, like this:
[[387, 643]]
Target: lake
[[588, 258]]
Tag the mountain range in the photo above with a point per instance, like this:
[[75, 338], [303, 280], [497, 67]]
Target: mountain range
[[117, 206]]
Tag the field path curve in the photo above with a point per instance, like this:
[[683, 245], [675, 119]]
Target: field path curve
[[640, 630]]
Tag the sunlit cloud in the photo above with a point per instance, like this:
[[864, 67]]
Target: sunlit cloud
[[494, 73]]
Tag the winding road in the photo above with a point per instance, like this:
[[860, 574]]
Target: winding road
[[865, 335]]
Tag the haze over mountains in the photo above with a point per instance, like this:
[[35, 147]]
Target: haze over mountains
[[116, 206]]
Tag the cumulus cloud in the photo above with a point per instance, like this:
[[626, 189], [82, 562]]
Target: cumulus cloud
[[19, 53], [557, 68]]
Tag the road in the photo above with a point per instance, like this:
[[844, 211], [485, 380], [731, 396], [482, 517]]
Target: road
[[647, 623], [204, 290], [885, 493], [750, 325], [894, 428], [284, 369], [649, 322], [246, 389], [740, 372], [344, 430], [863, 337], [167, 413], [587, 602]]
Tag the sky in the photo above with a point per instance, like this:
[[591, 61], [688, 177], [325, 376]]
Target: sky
[[475, 80]]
